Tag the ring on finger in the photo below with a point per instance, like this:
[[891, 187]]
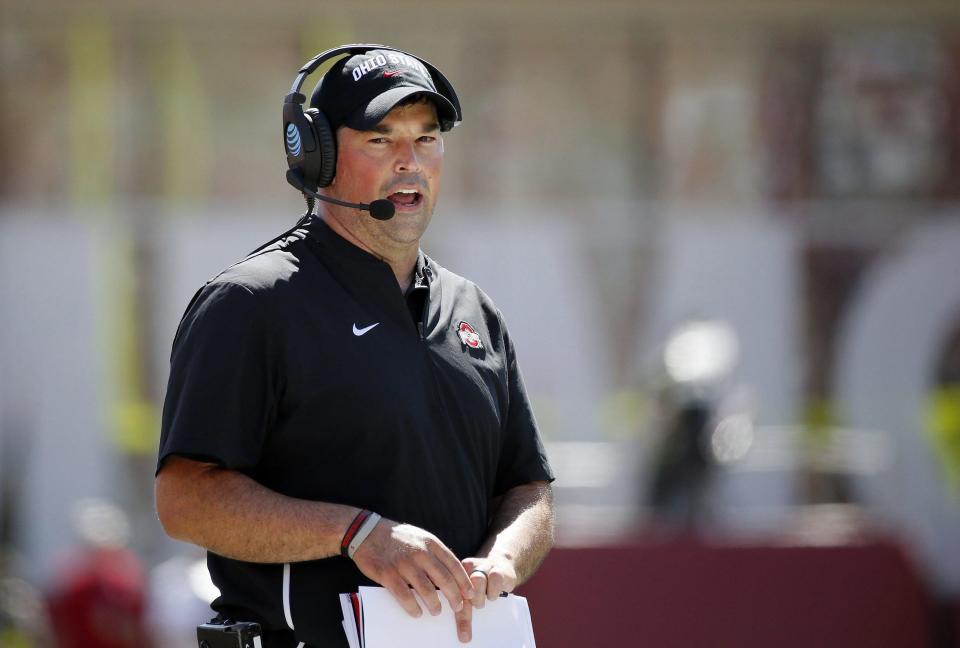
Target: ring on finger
[[482, 571]]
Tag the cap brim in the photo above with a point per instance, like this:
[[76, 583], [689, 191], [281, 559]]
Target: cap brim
[[373, 113]]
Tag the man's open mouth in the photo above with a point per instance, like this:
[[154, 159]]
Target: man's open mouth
[[406, 198]]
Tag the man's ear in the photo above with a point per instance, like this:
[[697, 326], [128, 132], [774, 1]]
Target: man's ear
[[337, 137]]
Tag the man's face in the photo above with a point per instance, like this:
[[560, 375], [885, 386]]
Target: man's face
[[400, 160]]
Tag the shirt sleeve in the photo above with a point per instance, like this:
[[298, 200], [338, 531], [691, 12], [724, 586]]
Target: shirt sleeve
[[221, 395], [523, 458]]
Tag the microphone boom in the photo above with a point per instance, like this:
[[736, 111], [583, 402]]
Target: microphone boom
[[381, 209]]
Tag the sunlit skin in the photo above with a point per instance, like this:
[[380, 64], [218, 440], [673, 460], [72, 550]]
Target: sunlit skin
[[404, 151]]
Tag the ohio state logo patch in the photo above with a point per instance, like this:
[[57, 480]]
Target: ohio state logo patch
[[468, 336]]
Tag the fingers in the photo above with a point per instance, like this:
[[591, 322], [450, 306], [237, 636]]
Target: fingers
[[495, 585], [443, 579], [423, 586], [479, 580], [464, 620], [490, 577], [404, 595], [455, 568]]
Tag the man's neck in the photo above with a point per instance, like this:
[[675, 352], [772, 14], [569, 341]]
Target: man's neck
[[403, 262]]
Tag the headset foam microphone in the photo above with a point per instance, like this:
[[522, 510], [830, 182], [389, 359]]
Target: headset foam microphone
[[381, 209]]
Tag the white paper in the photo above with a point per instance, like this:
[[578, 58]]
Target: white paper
[[504, 623], [349, 624]]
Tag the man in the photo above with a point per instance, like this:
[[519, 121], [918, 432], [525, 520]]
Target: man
[[339, 375]]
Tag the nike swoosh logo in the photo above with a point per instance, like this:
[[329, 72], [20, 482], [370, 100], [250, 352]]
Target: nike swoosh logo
[[359, 332], [393, 73]]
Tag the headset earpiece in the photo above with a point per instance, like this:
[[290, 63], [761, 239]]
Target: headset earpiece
[[326, 146], [299, 140]]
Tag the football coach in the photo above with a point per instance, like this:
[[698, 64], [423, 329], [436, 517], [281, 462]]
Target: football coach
[[342, 410]]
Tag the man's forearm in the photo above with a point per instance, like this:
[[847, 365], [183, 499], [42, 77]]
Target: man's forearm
[[234, 516], [522, 528]]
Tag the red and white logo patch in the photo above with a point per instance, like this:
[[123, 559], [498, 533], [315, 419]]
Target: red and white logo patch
[[468, 336]]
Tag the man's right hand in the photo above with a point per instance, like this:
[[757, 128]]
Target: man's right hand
[[401, 555]]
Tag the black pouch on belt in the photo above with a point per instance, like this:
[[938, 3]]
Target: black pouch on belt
[[227, 633]]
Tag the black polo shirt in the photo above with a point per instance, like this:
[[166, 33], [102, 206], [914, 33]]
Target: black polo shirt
[[305, 367]]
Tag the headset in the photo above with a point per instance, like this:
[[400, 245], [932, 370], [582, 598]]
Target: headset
[[311, 144]]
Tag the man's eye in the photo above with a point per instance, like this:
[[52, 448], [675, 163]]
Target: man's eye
[[378, 140], [428, 138]]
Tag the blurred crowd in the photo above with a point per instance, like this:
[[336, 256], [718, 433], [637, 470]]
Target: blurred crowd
[[101, 595]]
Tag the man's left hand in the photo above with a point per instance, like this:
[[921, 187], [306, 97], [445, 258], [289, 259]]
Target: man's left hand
[[489, 576]]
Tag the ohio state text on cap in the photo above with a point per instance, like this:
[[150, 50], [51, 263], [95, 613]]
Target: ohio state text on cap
[[360, 90]]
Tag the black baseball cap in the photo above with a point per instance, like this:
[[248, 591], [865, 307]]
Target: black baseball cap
[[359, 91]]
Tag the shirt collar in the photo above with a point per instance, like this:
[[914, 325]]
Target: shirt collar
[[358, 258], [333, 243], [422, 274]]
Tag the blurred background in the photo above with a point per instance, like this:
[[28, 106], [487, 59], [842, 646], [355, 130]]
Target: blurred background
[[725, 235]]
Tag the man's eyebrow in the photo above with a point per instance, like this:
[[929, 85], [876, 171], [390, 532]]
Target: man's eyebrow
[[383, 129]]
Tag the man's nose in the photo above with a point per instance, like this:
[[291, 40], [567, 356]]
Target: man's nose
[[407, 160]]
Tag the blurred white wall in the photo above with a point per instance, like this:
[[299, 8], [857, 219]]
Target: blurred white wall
[[55, 392], [888, 354], [55, 407]]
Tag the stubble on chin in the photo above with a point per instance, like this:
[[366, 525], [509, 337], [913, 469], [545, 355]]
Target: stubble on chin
[[405, 229], [381, 237]]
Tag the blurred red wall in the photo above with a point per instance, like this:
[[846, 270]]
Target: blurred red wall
[[688, 594]]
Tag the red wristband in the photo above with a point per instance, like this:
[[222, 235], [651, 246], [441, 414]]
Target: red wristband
[[352, 531]]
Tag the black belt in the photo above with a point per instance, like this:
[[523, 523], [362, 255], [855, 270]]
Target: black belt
[[280, 639]]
